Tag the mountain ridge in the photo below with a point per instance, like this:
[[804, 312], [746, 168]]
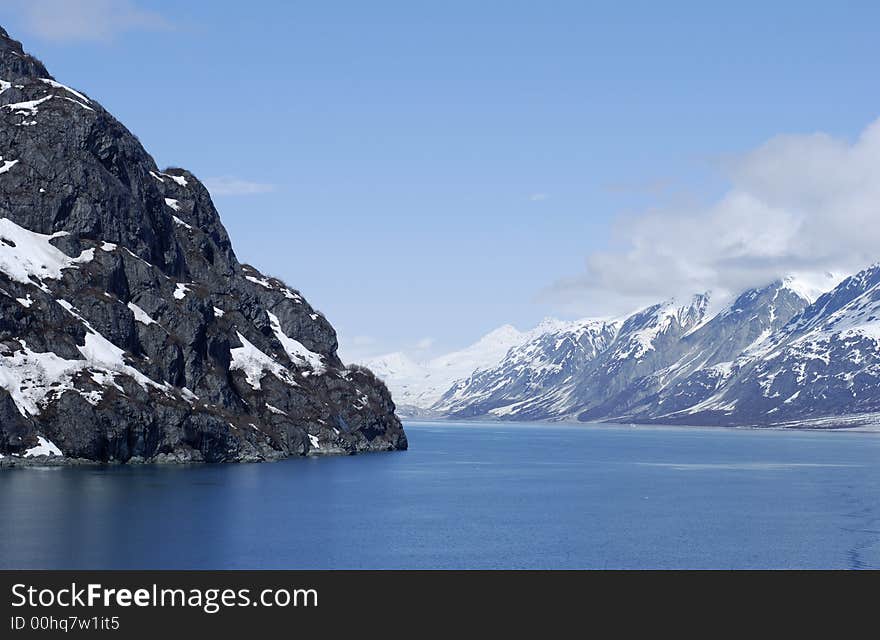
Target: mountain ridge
[[754, 362]]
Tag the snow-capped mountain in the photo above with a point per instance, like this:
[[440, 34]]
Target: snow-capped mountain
[[824, 363], [704, 356], [550, 360], [776, 354], [421, 384], [129, 330], [583, 363]]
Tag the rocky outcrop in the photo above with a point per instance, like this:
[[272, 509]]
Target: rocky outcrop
[[129, 331]]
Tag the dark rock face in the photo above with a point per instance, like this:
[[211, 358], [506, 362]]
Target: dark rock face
[[129, 331]]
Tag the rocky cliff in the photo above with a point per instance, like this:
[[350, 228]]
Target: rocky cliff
[[129, 331]]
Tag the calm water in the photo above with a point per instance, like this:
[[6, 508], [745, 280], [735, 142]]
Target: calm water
[[471, 496]]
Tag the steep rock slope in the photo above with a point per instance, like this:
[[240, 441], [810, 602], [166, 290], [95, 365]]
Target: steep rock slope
[[648, 340], [704, 357], [129, 331], [547, 364], [824, 363], [575, 366]]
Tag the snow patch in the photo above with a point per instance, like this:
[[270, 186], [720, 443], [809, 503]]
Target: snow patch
[[298, 353], [99, 352], [140, 315], [44, 448], [30, 377], [77, 103], [254, 363], [181, 223], [58, 85], [6, 165], [263, 282], [29, 257], [27, 108], [181, 290]]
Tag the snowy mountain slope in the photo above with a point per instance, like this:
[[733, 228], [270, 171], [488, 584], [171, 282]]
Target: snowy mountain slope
[[775, 354], [825, 362], [648, 340], [709, 353], [421, 384], [549, 361], [562, 371]]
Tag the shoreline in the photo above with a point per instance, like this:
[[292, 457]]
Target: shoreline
[[815, 426], [839, 424], [48, 461]]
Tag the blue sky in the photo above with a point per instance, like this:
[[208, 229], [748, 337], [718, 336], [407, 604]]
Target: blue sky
[[425, 172]]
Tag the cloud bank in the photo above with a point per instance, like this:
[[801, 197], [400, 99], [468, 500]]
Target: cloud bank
[[798, 204], [82, 20]]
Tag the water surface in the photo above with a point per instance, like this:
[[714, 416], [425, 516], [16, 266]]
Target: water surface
[[471, 496]]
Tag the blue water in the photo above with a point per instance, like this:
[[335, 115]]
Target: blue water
[[471, 496]]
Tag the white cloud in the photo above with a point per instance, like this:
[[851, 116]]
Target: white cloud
[[424, 344], [805, 204], [82, 20], [538, 197], [227, 186]]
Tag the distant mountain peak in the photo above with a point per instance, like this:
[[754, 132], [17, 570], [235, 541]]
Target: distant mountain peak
[[421, 383]]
